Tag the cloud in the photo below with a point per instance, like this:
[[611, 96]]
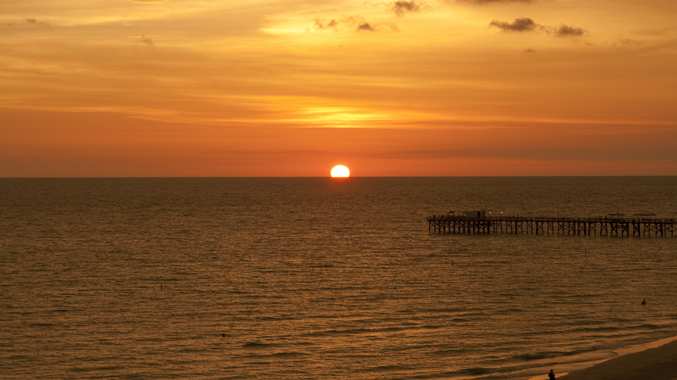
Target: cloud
[[484, 2], [331, 24], [357, 23], [365, 27], [402, 7], [146, 40], [34, 21], [569, 31], [524, 24]]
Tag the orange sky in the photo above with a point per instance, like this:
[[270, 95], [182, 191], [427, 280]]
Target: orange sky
[[289, 87]]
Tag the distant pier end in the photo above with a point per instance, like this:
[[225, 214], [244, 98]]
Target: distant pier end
[[480, 223]]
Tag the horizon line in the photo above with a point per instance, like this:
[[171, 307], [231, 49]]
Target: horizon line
[[344, 179]]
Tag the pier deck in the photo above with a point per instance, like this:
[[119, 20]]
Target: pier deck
[[622, 227]]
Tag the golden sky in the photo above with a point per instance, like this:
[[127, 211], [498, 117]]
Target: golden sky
[[289, 87]]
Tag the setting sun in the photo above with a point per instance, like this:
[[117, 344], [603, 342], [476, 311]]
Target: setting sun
[[340, 171]]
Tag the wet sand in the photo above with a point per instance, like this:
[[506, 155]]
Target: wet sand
[[658, 363]]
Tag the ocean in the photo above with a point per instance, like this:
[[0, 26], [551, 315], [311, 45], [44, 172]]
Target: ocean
[[321, 279]]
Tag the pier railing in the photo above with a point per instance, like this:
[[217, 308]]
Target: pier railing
[[637, 228]]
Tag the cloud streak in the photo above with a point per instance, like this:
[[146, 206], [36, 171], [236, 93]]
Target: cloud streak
[[402, 7], [569, 31], [365, 27], [523, 24], [526, 24], [331, 24], [487, 2], [146, 40]]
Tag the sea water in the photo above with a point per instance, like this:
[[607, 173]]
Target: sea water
[[321, 279]]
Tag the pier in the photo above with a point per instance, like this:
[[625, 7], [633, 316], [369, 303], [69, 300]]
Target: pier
[[614, 227]]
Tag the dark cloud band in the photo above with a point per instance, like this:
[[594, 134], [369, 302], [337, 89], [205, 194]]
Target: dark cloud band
[[524, 24]]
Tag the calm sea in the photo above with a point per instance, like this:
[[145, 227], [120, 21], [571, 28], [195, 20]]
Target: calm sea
[[319, 279]]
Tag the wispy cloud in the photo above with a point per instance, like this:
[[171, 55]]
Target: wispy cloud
[[146, 40], [526, 24], [32, 21], [365, 27], [355, 22], [523, 24], [331, 24], [485, 2], [402, 7], [569, 31]]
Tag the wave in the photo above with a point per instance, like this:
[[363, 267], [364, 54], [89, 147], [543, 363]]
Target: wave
[[257, 345], [550, 354]]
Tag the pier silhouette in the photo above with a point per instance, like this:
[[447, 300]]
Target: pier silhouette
[[479, 223]]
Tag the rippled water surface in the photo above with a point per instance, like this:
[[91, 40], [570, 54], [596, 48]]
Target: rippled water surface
[[313, 278]]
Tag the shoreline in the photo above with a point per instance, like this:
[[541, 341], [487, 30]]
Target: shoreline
[[656, 360]]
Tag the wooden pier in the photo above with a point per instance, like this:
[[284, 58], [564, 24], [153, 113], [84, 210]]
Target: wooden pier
[[614, 227]]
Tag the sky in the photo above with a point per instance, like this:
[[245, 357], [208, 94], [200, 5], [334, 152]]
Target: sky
[[291, 87]]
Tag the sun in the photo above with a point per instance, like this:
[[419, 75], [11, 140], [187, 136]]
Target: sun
[[340, 171]]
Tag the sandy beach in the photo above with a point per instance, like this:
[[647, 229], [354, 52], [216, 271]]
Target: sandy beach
[[658, 363]]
